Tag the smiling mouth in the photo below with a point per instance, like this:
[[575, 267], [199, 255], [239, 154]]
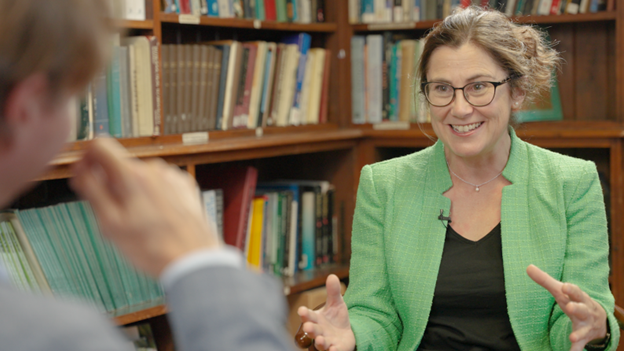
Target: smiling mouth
[[466, 128]]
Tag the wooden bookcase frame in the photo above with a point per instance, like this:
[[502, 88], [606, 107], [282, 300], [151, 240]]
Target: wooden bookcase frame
[[362, 143]]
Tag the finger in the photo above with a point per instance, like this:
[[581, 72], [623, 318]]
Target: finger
[[577, 346], [320, 343], [334, 295], [88, 186], [312, 329], [575, 293], [577, 310], [114, 161], [546, 281], [307, 315], [580, 334]]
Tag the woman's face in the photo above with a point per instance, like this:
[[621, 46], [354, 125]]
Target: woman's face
[[467, 131]]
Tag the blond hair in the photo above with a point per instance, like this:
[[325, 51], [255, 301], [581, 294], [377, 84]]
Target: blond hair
[[521, 50], [67, 40]]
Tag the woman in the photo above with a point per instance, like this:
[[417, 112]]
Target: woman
[[443, 239]]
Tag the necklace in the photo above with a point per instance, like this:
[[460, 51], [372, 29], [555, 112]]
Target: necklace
[[477, 186]]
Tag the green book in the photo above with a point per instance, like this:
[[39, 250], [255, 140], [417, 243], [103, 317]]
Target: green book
[[280, 9], [260, 12]]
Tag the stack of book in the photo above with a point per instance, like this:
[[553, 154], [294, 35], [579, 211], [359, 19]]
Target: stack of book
[[228, 84], [124, 100], [60, 250], [299, 11], [384, 82], [397, 11], [282, 227]]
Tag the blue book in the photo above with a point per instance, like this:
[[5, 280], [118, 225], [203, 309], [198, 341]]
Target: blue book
[[394, 82], [265, 87], [213, 8], [100, 104], [368, 11], [303, 41], [113, 82], [224, 68]]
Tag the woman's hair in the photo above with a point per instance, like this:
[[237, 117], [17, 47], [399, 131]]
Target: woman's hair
[[521, 50], [67, 40]]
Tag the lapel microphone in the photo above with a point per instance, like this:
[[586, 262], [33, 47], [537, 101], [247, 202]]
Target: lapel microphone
[[442, 218]]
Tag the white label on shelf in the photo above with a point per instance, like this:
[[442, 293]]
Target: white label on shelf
[[393, 125], [257, 24], [287, 290], [195, 138], [390, 26], [188, 19], [259, 132]]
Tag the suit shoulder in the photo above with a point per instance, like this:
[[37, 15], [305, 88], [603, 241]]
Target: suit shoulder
[[414, 162], [31, 322]]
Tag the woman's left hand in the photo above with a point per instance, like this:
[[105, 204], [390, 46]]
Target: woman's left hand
[[589, 319]]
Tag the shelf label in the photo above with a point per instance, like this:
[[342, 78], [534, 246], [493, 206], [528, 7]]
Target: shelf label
[[195, 138], [392, 125], [188, 19], [390, 26], [259, 132], [257, 24]]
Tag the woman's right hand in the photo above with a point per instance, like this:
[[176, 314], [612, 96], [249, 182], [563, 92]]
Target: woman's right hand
[[329, 327]]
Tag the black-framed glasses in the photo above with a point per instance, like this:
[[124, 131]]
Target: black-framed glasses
[[477, 94]]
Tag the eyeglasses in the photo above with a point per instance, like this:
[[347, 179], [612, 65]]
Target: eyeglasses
[[477, 94]]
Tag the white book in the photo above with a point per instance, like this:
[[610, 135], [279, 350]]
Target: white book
[[225, 9], [544, 7], [228, 99], [292, 249], [196, 8], [134, 10], [354, 11], [144, 83], [256, 86], [509, 9], [316, 85], [287, 86]]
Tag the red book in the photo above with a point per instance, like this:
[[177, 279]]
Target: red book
[[554, 7], [239, 186], [241, 108], [465, 3], [325, 88], [185, 7], [270, 13]]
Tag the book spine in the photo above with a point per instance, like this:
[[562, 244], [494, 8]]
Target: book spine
[[222, 83], [325, 88], [374, 73], [249, 78], [270, 10], [354, 11], [303, 41], [357, 79], [368, 11], [260, 10], [281, 10], [155, 66], [204, 89], [100, 105], [240, 95], [213, 8], [114, 98]]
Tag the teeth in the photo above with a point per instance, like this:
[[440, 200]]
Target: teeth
[[466, 128]]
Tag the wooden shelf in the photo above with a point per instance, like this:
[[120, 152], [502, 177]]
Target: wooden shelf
[[128, 24], [422, 25], [141, 315], [568, 134], [250, 146], [300, 282], [247, 23], [314, 278]]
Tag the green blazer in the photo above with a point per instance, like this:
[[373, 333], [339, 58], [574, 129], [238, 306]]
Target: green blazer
[[552, 216]]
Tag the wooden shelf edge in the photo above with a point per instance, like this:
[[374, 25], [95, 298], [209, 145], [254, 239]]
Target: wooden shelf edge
[[314, 278], [141, 315], [421, 25], [247, 23], [130, 24], [559, 129], [320, 140], [300, 282]]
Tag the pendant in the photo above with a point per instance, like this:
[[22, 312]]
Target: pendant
[[477, 189]]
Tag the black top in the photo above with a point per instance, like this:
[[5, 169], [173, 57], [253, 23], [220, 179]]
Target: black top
[[469, 310]]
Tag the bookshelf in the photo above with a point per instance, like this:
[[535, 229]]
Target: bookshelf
[[591, 85]]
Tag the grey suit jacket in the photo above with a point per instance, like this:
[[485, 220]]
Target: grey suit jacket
[[214, 308]]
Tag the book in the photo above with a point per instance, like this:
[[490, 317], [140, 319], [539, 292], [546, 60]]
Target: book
[[113, 84], [225, 59], [100, 104], [142, 61], [238, 185], [257, 86], [546, 108], [267, 88], [374, 77], [303, 41], [325, 88], [287, 84]]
